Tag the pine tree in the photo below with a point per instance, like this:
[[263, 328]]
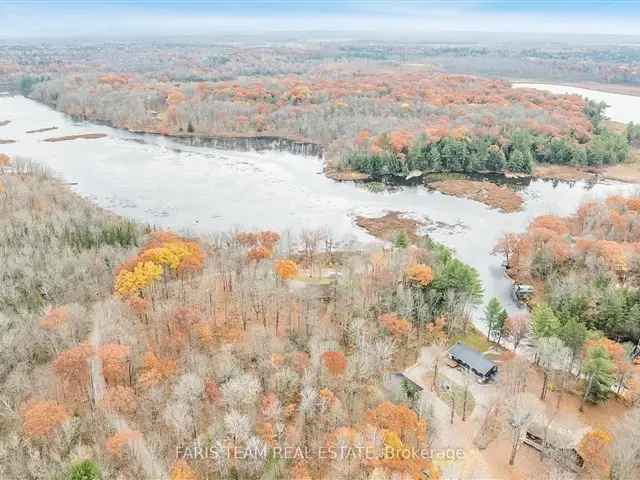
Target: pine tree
[[599, 368], [495, 318], [545, 323], [495, 159], [402, 240], [573, 334], [86, 470]]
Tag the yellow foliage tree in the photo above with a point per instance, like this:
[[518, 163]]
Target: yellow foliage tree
[[182, 471], [172, 254], [129, 283], [163, 250]]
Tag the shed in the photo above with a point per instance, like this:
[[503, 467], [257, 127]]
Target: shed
[[473, 360]]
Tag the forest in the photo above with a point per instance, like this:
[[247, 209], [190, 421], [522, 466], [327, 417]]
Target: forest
[[377, 108], [130, 351], [136, 347], [369, 119], [586, 265], [133, 344]]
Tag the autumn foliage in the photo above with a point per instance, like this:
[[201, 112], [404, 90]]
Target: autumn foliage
[[593, 449], [115, 362], [54, 318], [182, 471], [286, 269], [164, 254], [117, 443], [420, 274], [401, 430], [40, 419], [394, 324], [604, 230], [72, 367], [334, 362], [156, 369]]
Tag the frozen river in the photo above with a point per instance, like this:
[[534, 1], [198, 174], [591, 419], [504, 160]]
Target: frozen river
[[198, 189]]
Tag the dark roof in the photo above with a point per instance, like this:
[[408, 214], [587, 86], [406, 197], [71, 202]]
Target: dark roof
[[401, 376], [472, 358]]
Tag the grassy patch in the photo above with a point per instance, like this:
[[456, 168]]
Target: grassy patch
[[474, 339]]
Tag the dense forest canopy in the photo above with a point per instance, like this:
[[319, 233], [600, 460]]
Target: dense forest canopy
[[164, 342], [587, 265], [380, 108], [373, 119]]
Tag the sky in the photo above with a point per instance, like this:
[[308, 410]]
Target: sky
[[68, 18]]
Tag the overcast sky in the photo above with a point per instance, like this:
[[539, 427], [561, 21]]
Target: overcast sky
[[35, 18]]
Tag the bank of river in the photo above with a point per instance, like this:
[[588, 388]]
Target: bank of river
[[203, 190], [622, 108]]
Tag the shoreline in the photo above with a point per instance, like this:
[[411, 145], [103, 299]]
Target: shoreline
[[258, 142], [270, 142], [614, 88]]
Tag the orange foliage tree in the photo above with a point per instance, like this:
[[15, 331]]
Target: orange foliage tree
[[116, 443], [334, 362], [156, 370], [396, 326], [115, 362], [72, 367], [401, 429], [40, 419], [593, 449], [120, 399], [286, 269], [182, 471], [399, 419], [420, 274], [258, 253], [4, 160]]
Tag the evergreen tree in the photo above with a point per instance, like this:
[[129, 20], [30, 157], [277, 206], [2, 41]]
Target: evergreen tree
[[433, 158], [573, 334], [86, 470], [544, 321], [520, 162], [459, 278], [599, 369], [402, 240], [495, 318], [495, 159]]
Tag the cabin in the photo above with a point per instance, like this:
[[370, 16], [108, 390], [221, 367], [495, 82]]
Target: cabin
[[473, 361], [399, 383], [559, 440], [522, 293]]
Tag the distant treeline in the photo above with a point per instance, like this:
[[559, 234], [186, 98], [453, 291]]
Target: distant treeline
[[514, 152]]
